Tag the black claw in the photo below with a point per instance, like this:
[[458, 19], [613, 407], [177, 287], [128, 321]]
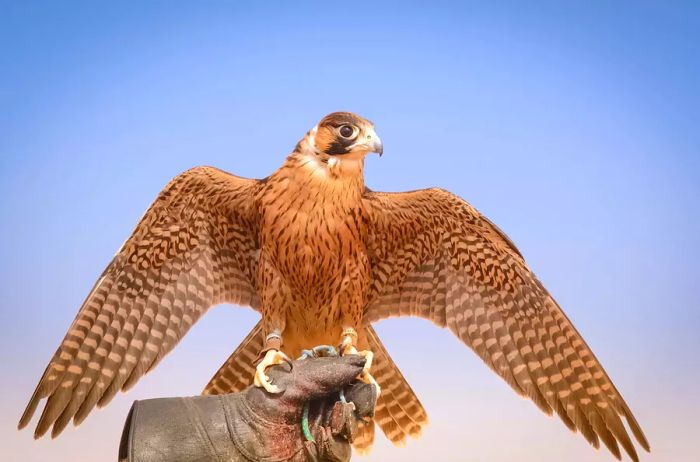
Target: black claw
[[288, 361]]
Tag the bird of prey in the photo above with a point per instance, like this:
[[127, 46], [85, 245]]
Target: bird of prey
[[322, 257]]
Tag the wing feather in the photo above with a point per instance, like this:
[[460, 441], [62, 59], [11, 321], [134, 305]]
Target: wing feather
[[434, 256], [195, 247]]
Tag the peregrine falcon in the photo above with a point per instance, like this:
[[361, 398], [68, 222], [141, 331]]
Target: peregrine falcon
[[321, 257]]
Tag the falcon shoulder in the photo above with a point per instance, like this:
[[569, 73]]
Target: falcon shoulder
[[195, 247], [434, 256]]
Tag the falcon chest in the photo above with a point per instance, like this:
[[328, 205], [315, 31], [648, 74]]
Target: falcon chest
[[313, 235]]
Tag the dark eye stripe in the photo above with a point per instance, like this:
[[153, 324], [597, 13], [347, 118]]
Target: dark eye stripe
[[338, 146]]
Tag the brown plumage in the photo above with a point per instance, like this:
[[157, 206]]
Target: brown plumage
[[317, 253]]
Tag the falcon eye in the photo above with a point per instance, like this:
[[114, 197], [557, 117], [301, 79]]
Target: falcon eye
[[346, 131]]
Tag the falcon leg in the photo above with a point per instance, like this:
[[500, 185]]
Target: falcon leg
[[273, 356], [347, 347]]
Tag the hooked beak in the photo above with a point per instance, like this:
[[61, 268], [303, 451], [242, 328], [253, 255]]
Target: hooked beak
[[378, 147], [374, 143]]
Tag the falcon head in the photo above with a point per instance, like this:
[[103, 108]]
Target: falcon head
[[345, 135]]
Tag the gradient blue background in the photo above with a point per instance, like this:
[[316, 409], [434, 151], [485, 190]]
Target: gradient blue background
[[574, 127]]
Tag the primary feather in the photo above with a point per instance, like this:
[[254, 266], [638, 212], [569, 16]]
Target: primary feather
[[195, 247]]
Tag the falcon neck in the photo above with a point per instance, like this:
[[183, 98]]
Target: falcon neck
[[337, 178]]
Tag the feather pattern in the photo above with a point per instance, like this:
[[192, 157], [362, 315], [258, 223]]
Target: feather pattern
[[195, 247], [434, 256], [399, 412], [236, 374]]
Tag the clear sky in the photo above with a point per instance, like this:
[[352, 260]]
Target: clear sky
[[574, 127]]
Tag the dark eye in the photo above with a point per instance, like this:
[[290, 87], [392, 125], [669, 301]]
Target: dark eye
[[346, 131]]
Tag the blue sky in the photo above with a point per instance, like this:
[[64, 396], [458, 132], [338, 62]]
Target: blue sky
[[572, 126]]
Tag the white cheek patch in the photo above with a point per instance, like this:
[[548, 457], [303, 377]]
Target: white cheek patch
[[313, 165], [332, 162]]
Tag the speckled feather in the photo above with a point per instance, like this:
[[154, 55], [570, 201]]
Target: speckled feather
[[315, 251], [195, 247], [434, 256], [236, 374]]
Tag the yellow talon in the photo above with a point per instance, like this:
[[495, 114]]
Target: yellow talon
[[272, 358], [347, 347]]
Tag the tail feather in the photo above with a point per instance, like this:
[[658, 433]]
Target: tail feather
[[399, 413], [365, 438], [237, 372]]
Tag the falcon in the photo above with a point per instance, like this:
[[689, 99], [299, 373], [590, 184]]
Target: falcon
[[321, 257]]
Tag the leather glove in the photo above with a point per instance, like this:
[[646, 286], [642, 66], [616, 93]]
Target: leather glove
[[254, 425]]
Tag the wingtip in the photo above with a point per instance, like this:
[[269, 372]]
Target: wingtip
[[80, 416], [641, 438], [29, 411], [59, 425], [636, 429], [633, 455], [40, 431], [47, 420], [23, 422]]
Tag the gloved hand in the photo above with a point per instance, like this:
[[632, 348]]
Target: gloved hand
[[254, 425]]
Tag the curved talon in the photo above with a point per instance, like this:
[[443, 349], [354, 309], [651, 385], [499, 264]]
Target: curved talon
[[365, 376], [287, 360], [272, 358]]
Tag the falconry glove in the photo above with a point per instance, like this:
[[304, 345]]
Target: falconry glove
[[314, 418]]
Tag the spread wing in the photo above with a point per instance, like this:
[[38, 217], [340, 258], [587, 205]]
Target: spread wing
[[195, 247], [434, 256]]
